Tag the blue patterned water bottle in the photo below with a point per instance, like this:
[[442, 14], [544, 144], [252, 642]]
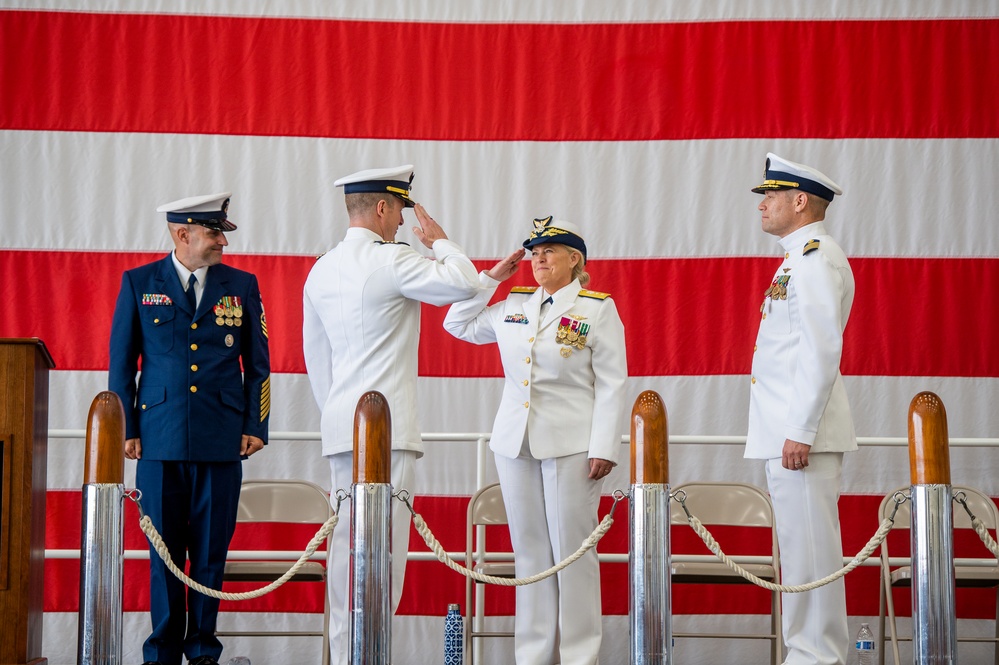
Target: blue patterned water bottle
[[454, 635]]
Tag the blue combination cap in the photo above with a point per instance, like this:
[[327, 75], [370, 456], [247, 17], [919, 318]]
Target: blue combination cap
[[556, 231], [397, 180], [780, 173], [210, 211]]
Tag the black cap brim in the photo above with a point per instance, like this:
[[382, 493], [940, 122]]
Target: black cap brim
[[223, 225]]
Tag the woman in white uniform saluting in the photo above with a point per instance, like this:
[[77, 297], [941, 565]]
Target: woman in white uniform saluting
[[556, 434]]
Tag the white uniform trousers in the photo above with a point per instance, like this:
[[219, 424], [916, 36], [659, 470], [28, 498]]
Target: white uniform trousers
[[808, 533], [551, 507], [338, 558]]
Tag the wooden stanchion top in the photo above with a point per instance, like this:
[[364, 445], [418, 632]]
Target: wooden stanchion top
[[372, 439], [104, 462], [649, 440], [929, 445]]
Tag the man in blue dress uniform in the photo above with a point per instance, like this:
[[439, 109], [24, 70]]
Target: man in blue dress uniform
[[193, 414]]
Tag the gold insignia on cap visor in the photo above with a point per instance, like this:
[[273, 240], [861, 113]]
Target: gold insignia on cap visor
[[775, 184]]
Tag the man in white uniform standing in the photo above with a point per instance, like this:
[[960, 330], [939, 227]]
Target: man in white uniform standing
[[799, 416], [361, 332]]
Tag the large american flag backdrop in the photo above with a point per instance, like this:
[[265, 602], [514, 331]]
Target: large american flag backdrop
[[644, 122]]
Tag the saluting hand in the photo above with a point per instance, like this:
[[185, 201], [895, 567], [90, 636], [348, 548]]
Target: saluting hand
[[428, 231], [505, 268]]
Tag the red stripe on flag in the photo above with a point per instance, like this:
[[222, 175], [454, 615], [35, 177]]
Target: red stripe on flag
[[682, 316], [440, 81], [430, 586]]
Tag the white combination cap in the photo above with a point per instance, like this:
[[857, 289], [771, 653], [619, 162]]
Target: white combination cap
[[397, 180], [209, 210], [780, 173], [557, 231]]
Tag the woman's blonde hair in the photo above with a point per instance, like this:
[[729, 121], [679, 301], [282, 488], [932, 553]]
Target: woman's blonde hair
[[579, 270]]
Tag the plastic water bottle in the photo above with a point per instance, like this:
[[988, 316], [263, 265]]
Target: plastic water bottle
[[239, 660], [454, 635], [864, 646]]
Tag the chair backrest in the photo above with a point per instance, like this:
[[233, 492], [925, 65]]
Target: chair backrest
[[729, 504], [980, 504], [289, 501], [486, 507]]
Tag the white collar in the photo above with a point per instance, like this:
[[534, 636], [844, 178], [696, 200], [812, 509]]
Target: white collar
[[201, 274], [800, 236]]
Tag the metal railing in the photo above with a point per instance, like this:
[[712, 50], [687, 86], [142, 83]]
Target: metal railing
[[481, 440]]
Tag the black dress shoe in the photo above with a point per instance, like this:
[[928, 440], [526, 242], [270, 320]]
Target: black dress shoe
[[203, 660]]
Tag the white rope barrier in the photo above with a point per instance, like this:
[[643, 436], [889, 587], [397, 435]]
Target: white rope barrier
[[977, 524], [862, 556], [986, 537], [442, 555], [146, 524], [589, 543]]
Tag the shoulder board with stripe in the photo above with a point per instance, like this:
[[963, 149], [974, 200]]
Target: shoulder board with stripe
[[810, 246], [594, 294], [391, 242], [523, 289], [320, 256]]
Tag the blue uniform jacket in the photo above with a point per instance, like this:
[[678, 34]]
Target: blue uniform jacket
[[192, 402]]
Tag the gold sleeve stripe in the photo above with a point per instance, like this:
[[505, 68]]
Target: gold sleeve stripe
[[263, 325], [265, 399]]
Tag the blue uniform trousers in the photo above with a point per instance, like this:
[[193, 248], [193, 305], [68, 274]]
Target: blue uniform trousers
[[193, 506]]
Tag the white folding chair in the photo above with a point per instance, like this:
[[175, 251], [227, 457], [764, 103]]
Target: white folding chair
[[964, 576], [485, 508], [288, 502], [731, 504]]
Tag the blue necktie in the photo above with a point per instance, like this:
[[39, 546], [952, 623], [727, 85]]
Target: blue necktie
[[544, 307], [192, 299]]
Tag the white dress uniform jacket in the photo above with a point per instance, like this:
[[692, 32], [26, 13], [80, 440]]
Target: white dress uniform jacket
[[566, 399], [361, 328], [797, 390]]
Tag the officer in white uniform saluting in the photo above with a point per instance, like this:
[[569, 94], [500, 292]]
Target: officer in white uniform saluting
[[556, 434], [799, 416], [361, 332]]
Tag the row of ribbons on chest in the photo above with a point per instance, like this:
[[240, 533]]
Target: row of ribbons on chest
[[228, 310]]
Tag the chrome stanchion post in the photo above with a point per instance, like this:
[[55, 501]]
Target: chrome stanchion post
[[371, 534], [102, 540], [650, 611], [933, 604]]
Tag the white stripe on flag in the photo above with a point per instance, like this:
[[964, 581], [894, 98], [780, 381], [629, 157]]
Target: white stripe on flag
[[638, 199], [531, 11]]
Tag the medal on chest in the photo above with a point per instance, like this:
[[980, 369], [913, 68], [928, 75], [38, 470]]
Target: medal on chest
[[572, 333]]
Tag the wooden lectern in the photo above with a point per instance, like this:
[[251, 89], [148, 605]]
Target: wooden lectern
[[24, 431]]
